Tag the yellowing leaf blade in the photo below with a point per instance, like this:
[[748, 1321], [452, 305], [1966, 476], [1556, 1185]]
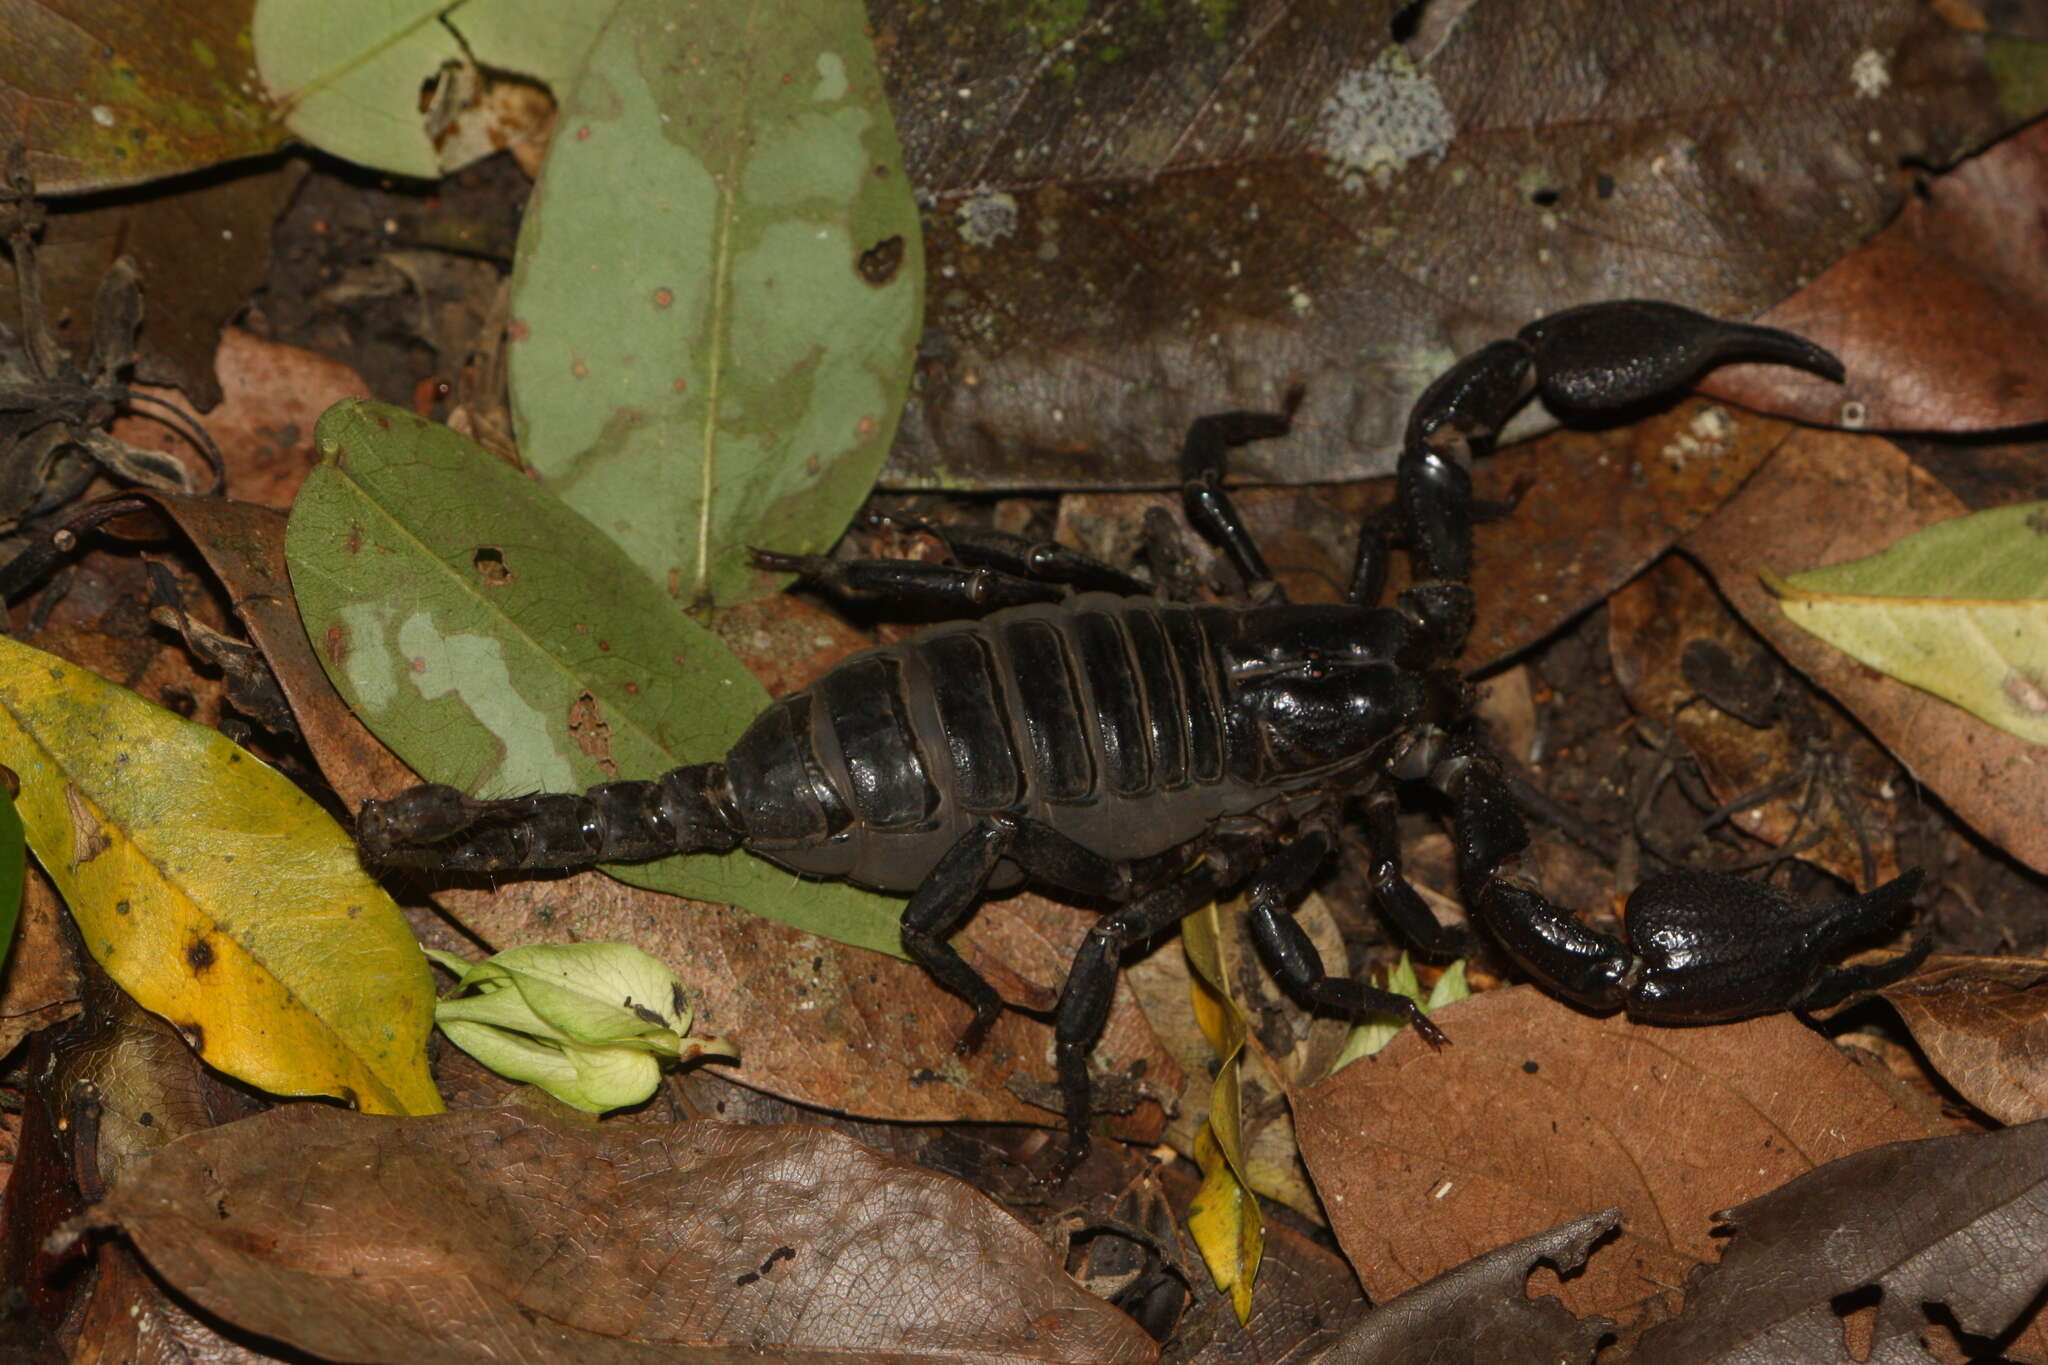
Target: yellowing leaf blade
[[1959, 609], [215, 892]]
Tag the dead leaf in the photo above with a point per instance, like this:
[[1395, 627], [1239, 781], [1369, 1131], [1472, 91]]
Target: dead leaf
[[1872, 494], [1983, 1023], [201, 249], [1138, 214], [1960, 1221], [1479, 1312], [1654, 625], [1428, 1159], [271, 394], [38, 979], [1911, 311], [844, 1029], [492, 1233]]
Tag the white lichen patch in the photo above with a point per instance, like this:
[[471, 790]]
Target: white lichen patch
[[1869, 74], [1705, 437], [831, 77], [1380, 118], [987, 218]]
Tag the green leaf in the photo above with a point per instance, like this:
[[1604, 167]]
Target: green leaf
[[215, 892], [13, 854], [587, 1022], [718, 287], [498, 643], [1959, 609], [348, 76], [1375, 1031]]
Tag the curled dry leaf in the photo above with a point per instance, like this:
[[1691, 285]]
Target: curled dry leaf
[[1479, 1312], [1960, 1221], [1983, 1023], [271, 395], [1428, 1159], [492, 1233], [1873, 494]]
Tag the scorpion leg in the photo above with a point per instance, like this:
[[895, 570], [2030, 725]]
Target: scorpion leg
[[956, 884], [1209, 507], [1402, 903], [1044, 561], [939, 903], [944, 588], [1083, 1009], [1274, 893], [1601, 357]]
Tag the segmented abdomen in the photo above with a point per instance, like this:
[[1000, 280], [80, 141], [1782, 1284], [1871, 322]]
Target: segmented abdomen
[[1103, 717]]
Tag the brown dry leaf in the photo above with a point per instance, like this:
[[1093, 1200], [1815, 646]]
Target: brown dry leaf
[[845, 1029], [38, 978], [1650, 624], [1479, 1312], [1914, 312], [243, 544], [271, 394], [1537, 1112], [490, 1234], [1827, 498], [1983, 1023], [1140, 213], [1960, 1221], [201, 250], [132, 1321]]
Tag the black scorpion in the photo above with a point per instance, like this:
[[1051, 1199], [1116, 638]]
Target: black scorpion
[[1112, 745]]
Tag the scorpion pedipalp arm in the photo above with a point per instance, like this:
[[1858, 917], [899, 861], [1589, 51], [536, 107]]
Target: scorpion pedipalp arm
[[1602, 357], [1702, 946]]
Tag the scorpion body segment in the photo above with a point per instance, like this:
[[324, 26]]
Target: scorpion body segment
[[1155, 754]]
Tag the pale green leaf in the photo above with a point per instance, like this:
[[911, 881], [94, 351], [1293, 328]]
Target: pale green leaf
[[347, 77], [718, 287], [1959, 609], [1375, 1031], [497, 643]]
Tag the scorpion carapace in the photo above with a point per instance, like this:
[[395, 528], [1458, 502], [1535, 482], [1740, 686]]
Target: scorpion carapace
[[1156, 754]]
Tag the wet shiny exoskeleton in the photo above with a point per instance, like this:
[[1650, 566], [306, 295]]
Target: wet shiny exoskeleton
[[1080, 733]]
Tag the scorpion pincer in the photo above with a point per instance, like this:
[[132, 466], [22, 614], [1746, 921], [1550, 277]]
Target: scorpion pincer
[[1082, 734]]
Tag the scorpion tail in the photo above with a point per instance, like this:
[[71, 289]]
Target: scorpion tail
[[686, 810]]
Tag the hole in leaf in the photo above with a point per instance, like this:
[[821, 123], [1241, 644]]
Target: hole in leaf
[[489, 561], [1858, 1311], [880, 262]]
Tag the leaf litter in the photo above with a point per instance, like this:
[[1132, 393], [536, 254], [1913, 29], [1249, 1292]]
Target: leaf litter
[[1020, 989]]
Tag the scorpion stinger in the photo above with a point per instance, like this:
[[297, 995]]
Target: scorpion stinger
[[1155, 755]]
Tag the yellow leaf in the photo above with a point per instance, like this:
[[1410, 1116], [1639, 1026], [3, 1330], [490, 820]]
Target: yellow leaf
[[216, 893], [1225, 1221], [1959, 609]]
